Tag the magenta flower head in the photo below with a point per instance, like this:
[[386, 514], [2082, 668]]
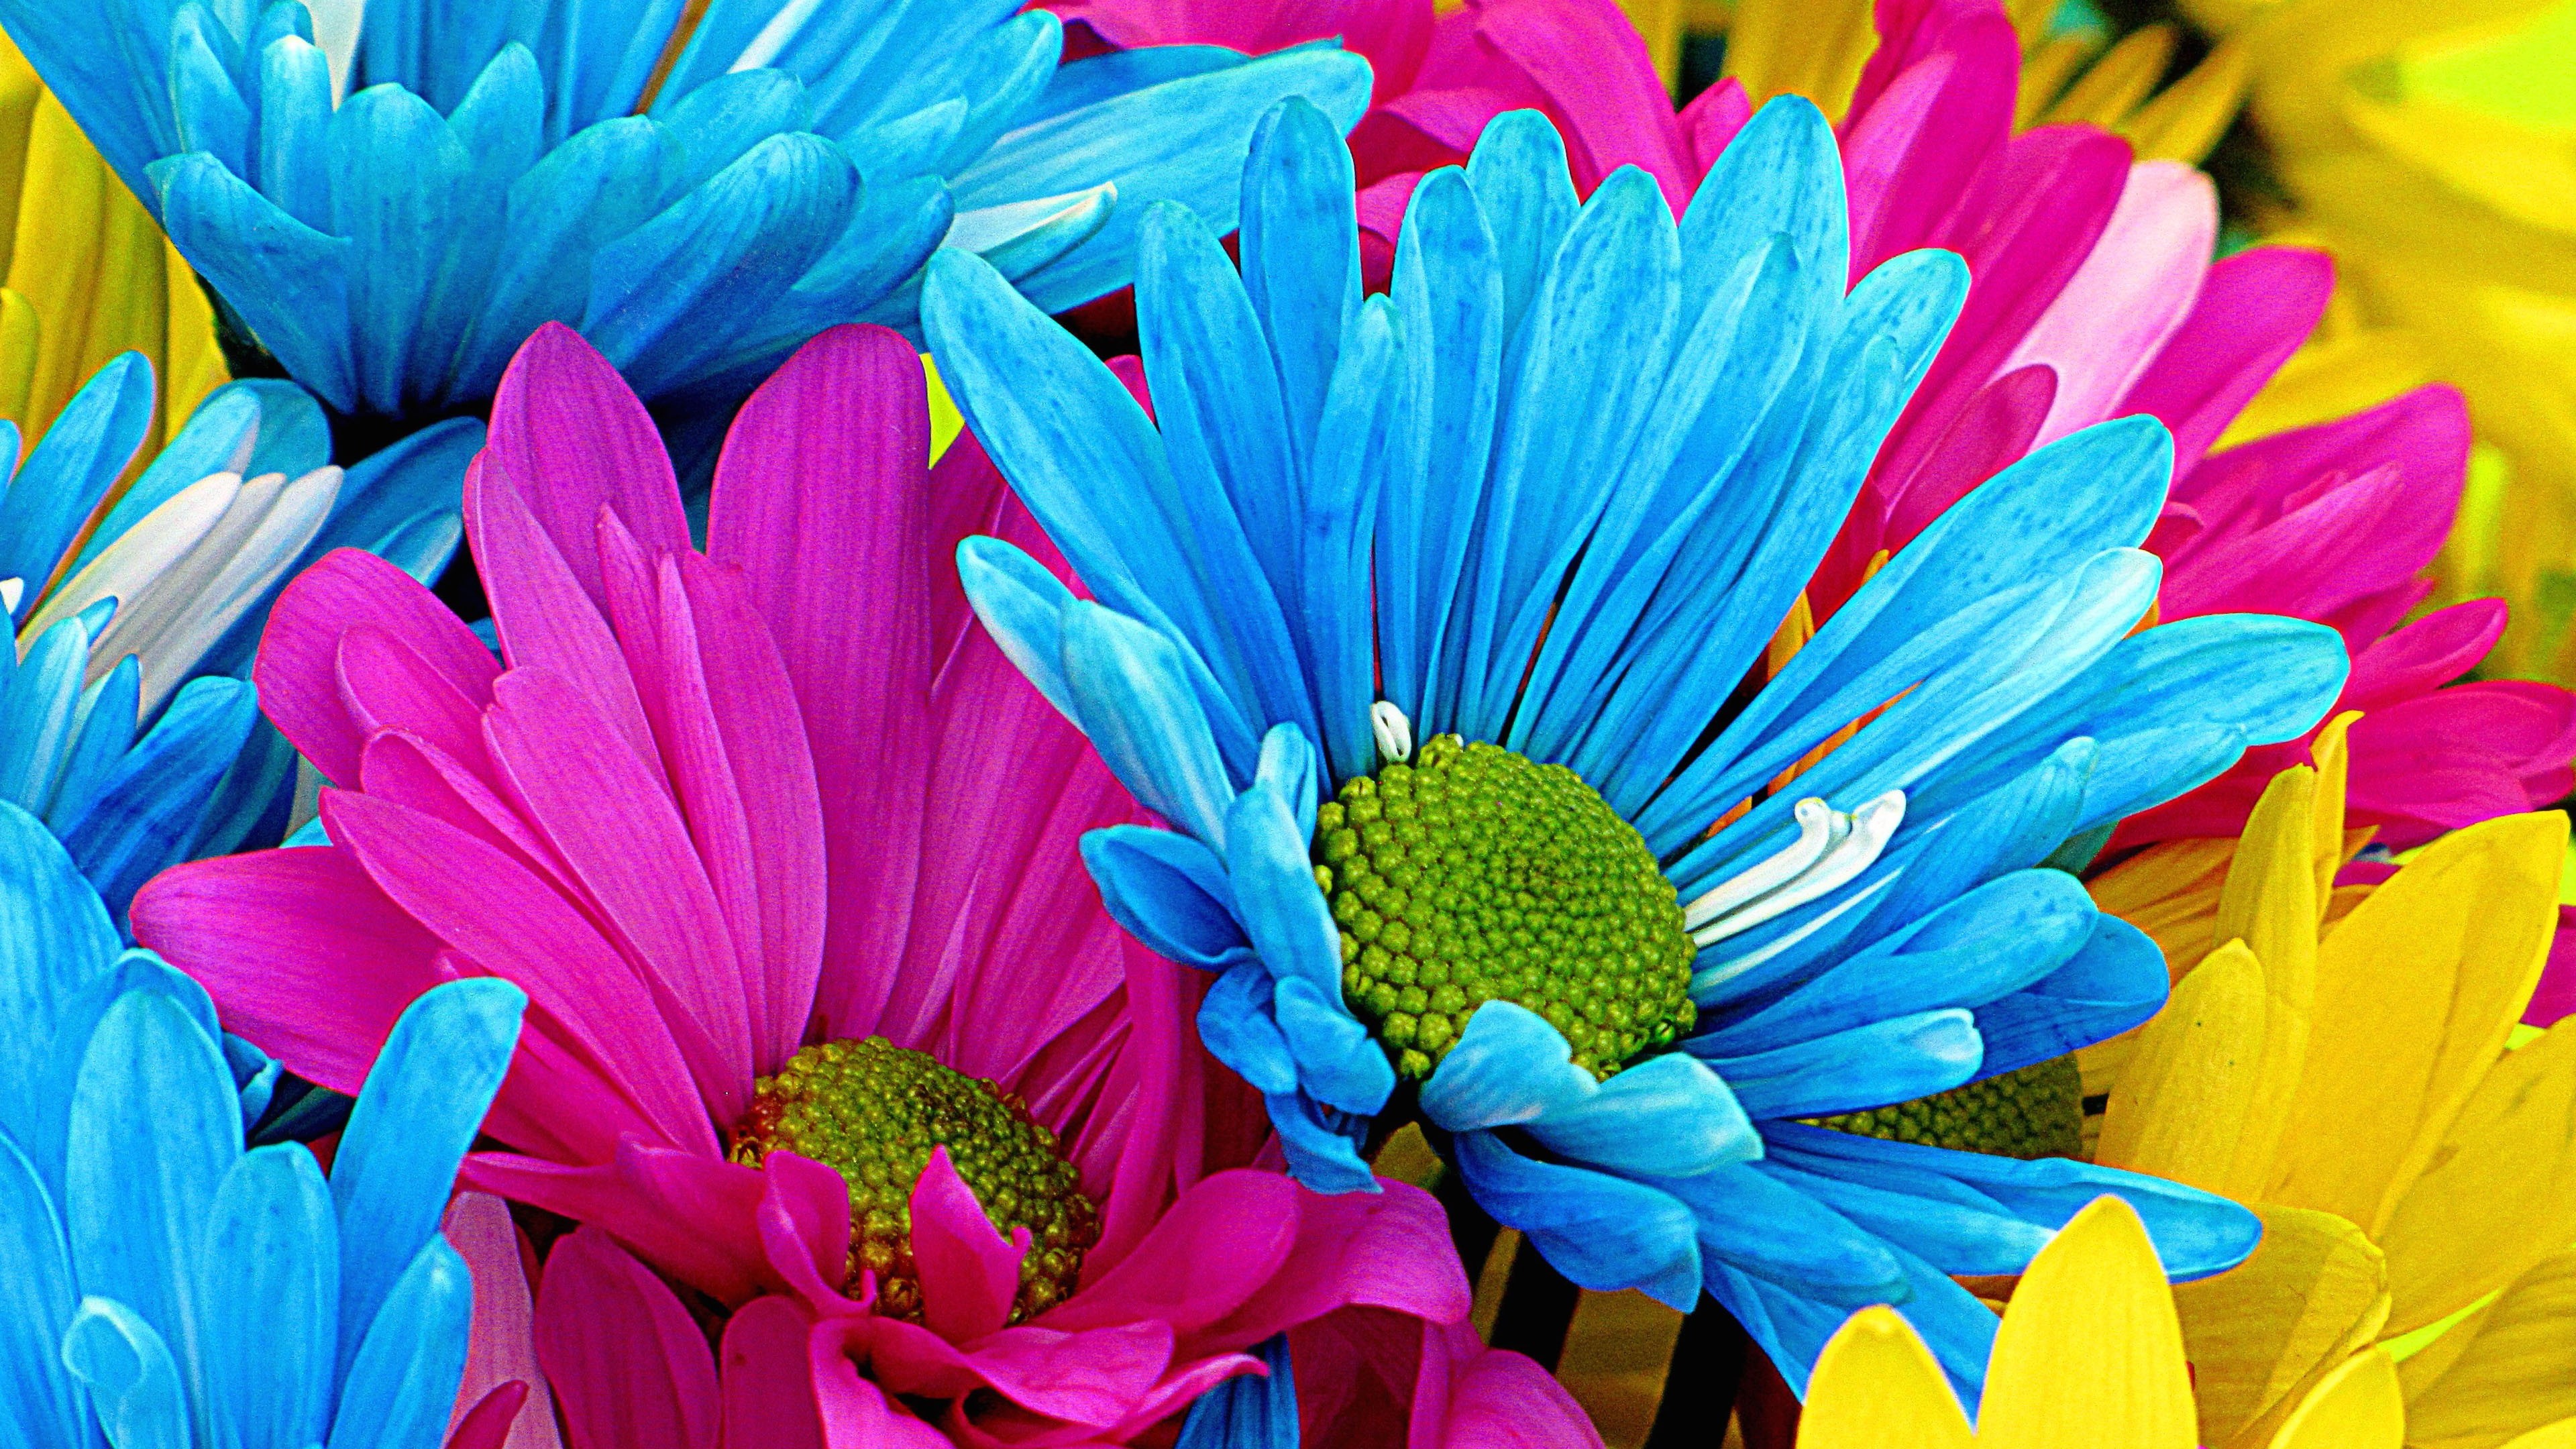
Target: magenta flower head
[[822, 1003]]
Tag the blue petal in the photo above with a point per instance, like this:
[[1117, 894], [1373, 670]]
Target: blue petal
[[1583, 373], [1023, 607], [1782, 175], [397, 177], [2116, 982], [1248, 1411], [1350, 461], [1133, 700], [1519, 175], [269, 1277], [1080, 83], [55, 939], [1184, 141], [1338, 1064], [1239, 1028], [423, 1101], [108, 712], [661, 296], [38, 1405], [401, 1386], [154, 1127], [218, 438], [70, 470], [149, 812], [1666, 1117], [1284, 912], [294, 136], [1868, 1066], [1603, 1232], [1756, 1224], [1301, 269], [1449, 289], [2195, 1233], [39, 712], [1793, 1328], [133, 1384], [1321, 1145], [1170, 892], [243, 246], [1997, 939], [1217, 402]]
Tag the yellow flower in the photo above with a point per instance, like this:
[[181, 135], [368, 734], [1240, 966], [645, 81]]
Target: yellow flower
[[87, 274], [2090, 1354], [2347, 1074]]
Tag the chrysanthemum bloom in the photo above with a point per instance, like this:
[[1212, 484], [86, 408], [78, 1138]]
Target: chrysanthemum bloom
[[168, 1287], [2092, 297], [782, 849], [2343, 1067], [128, 725], [2089, 1353], [1507, 545], [698, 189], [84, 273]]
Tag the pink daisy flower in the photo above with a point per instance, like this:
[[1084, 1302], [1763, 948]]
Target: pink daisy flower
[[827, 1023], [2093, 297]]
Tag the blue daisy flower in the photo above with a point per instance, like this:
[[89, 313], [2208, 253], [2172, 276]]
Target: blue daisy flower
[[1436, 626], [168, 1285], [127, 718], [696, 199]]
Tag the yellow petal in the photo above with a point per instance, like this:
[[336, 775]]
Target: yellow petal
[[945, 421], [2356, 1407], [1815, 48], [2045, 74], [19, 331], [2494, 1199], [2334, 379], [2561, 1435], [2416, 991], [2271, 903], [1877, 1387], [2118, 81], [2186, 121], [2314, 1292], [2188, 1089], [2089, 1351], [1659, 23], [2507, 1369], [2329, 846]]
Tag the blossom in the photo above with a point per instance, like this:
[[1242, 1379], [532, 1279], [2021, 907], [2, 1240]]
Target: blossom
[[696, 204], [2092, 296], [1574, 470], [2347, 1074], [128, 726], [85, 274], [773, 836], [168, 1286], [2089, 1353]]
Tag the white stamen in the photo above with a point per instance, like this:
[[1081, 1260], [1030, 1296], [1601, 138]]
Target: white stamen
[[1854, 841], [1394, 733], [1819, 824]]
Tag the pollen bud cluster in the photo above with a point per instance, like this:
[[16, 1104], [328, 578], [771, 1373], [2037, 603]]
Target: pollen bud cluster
[[2035, 1112], [873, 1111], [1473, 874]]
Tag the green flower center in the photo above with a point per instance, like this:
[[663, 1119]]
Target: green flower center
[[2037, 1111], [872, 1111], [1474, 874]]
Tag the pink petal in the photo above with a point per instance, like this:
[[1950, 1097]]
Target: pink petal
[[2426, 654], [1709, 123], [488, 906], [502, 1349], [2307, 563], [1989, 435], [856, 1413], [541, 611], [2555, 998], [630, 1366], [2132, 293], [406, 770], [1387, 1249], [630, 851], [1211, 1253], [301, 952], [691, 1216], [297, 670], [768, 1380], [804, 1218], [1502, 1399], [1933, 105], [386, 684], [486, 1425], [1092, 1378], [568, 431], [969, 1271], [819, 499], [2254, 310]]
